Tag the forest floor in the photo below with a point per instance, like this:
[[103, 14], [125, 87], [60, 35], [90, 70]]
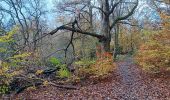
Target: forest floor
[[128, 82]]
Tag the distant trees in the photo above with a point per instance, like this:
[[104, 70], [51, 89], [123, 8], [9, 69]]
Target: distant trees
[[156, 4], [28, 15], [129, 38]]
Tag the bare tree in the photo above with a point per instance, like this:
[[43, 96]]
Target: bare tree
[[27, 14], [106, 9]]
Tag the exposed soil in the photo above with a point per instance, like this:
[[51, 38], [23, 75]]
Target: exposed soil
[[128, 82]]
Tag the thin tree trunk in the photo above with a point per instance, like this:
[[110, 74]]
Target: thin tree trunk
[[82, 50], [91, 16], [116, 42]]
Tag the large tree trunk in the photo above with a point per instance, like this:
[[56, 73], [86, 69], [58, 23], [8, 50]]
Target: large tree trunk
[[105, 27]]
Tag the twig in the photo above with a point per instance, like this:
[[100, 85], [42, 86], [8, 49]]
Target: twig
[[64, 86]]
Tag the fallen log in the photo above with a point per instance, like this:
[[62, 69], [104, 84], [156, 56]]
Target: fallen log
[[38, 84], [49, 71], [29, 82], [19, 90], [64, 86]]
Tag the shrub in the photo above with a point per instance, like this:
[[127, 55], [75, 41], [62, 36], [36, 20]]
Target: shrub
[[85, 62], [63, 72], [4, 89], [104, 65], [100, 68], [11, 68], [54, 61], [12, 62], [154, 55]]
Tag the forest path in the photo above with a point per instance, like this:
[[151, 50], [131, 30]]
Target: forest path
[[129, 77], [138, 85], [128, 82]]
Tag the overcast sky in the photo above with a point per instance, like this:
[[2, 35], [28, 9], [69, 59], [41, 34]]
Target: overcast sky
[[143, 9]]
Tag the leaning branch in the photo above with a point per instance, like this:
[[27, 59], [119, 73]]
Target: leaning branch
[[128, 23], [78, 31]]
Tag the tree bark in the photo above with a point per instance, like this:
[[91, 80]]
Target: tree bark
[[105, 27]]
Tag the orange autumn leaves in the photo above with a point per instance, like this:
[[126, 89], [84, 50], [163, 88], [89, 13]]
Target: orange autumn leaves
[[100, 68], [154, 55], [104, 64]]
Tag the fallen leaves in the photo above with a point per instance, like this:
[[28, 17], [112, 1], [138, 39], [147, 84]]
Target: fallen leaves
[[128, 82]]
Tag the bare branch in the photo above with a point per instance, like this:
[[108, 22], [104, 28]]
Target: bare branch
[[127, 23], [76, 30], [126, 16], [99, 9], [114, 6]]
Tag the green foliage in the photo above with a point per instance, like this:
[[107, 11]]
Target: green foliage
[[11, 63], [119, 49], [84, 62], [83, 68], [2, 50], [64, 72], [16, 60], [54, 62], [4, 74], [8, 37], [4, 89], [11, 68], [23, 55]]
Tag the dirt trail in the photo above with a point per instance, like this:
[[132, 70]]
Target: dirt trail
[[140, 86], [127, 83]]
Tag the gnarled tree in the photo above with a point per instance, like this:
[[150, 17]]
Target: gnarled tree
[[108, 19]]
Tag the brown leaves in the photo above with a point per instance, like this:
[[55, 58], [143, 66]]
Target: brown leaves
[[154, 55], [129, 83]]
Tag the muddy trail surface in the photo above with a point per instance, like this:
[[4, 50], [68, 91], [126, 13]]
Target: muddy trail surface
[[128, 82]]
